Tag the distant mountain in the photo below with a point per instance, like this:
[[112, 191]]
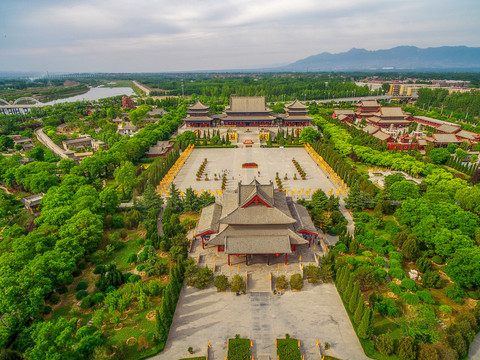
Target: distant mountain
[[398, 58]]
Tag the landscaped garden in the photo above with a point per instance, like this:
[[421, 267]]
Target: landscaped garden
[[288, 349], [239, 349]]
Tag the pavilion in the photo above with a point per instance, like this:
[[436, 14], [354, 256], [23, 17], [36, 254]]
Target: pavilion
[[198, 115], [255, 219], [296, 114]]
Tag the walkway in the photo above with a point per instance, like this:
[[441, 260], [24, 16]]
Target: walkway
[[45, 140], [205, 315]]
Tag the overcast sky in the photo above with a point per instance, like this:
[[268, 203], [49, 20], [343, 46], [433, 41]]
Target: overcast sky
[[177, 35]]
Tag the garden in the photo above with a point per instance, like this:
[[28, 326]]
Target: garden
[[239, 349]]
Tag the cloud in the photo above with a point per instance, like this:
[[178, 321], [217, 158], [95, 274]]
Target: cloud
[[148, 35]]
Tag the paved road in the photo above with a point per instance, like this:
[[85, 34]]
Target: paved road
[[316, 313]]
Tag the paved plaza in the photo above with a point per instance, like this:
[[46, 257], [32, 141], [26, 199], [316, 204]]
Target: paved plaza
[[316, 313], [269, 160]]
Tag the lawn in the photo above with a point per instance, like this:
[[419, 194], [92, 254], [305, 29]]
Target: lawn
[[287, 349], [238, 349]]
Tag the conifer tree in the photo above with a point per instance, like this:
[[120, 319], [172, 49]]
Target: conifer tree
[[159, 330], [349, 289], [357, 317], [365, 328], [343, 280], [352, 304]]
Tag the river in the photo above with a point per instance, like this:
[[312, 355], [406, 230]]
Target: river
[[96, 93]]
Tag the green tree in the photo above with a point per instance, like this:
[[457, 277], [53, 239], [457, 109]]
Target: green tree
[[406, 349], [384, 344], [109, 199], [358, 315], [296, 282], [410, 248], [354, 298], [464, 267], [125, 175], [221, 283], [349, 289], [365, 329], [174, 201], [204, 278], [402, 190], [440, 155]]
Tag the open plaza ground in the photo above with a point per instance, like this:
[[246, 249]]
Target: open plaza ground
[[269, 160], [314, 314]]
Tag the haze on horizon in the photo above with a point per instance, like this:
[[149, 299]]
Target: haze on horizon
[[189, 35]]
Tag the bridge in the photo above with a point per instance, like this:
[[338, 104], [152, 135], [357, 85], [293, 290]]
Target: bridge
[[19, 106], [376, 97]]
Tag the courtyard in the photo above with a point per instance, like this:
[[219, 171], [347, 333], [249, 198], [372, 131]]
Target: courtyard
[[269, 160], [314, 314]]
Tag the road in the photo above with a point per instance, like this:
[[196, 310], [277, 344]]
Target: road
[[358, 98], [45, 140]]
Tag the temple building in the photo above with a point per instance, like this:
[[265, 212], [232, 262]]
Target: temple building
[[389, 117], [255, 219], [247, 111], [296, 114], [367, 107], [198, 115]]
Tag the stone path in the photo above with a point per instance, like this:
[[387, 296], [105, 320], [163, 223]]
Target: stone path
[[259, 282], [316, 313]]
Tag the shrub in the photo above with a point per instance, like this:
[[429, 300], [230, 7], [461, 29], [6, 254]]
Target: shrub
[[134, 278], [281, 282], [123, 233], [62, 289], [409, 284], [437, 260], [132, 258], [396, 273], [410, 298], [46, 310], [431, 279], [76, 272], [455, 293], [86, 303], [99, 269], [204, 278], [117, 221], [237, 284], [380, 261], [341, 247], [380, 275], [445, 309], [386, 307], [395, 288], [140, 241], [396, 255], [54, 299], [81, 294], [313, 272], [473, 295], [98, 297], [296, 282], [82, 285], [83, 265], [141, 267], [425, 296], [221, 283], [394, 264], [110, 288], [423, 264]]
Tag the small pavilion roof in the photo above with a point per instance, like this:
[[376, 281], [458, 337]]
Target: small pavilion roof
[[468, 135], [198, 106], [296, 105]]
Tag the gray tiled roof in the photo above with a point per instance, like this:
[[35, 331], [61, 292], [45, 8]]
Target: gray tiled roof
[[209, 218], [198, 106], [258, 245], [257, 215], [448, 129], [382, 136], [296, 105], [446, 138], [300, 213]]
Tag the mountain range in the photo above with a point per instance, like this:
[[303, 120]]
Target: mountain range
[[397, 58]]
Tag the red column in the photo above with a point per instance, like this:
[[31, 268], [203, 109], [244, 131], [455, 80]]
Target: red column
[[309, 240], [228, 259], [286, 257], [203, 244]]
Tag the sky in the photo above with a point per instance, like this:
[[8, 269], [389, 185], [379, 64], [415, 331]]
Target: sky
[[189, 35]]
